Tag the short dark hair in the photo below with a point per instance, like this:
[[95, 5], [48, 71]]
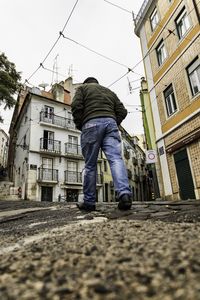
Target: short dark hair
[[90, 80]]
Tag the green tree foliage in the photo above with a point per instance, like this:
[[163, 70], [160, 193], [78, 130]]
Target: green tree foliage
[[9, 82]]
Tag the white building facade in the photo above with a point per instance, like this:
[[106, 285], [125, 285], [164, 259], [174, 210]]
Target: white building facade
[[3, 148], [48, 163]]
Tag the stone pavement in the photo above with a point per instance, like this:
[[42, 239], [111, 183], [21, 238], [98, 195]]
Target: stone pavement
[[53, 251], [169, 211]]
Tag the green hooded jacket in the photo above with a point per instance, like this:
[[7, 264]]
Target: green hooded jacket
[[95, 101]]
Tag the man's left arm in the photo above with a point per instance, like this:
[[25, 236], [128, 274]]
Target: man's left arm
[[120, 111], [77, 108]]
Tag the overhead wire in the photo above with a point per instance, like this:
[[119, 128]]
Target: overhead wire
[[102, 55], [133, 14], [149, 51], [45, 58], [120, 7], [89, 49]]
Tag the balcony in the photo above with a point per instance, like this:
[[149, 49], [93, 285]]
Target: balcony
[[47, 175], [136, 178], [76, 177], [73, 149], [73, 177], [48, 145], [142, 162], [56, 120], [143, 178], [129, 174], [135, 161], [126, 154]]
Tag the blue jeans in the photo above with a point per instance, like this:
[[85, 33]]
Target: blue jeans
[[102, 133]]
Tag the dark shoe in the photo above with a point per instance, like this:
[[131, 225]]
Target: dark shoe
[[125, 202], [86, 207]]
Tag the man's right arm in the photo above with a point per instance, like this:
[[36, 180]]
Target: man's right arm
[[77, 108]]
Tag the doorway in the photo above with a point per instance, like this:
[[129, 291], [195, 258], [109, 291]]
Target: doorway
[[47, 193], [184, 175], [72, 195]]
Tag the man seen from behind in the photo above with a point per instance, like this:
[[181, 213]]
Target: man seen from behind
[[97, 112]]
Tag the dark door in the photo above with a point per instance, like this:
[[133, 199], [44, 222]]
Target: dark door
[[106, 192], [184, 175], [47, 193], [72, 195]]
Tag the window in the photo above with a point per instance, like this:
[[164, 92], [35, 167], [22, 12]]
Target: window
[[194, 76], [72, 166], [48, 140], [73, 144], [47, 163], [73, 139], [161, 53], [24, 142], [48, 112], [170, 100], [154, 19], [105, 166], [69, 117], [182, 23]]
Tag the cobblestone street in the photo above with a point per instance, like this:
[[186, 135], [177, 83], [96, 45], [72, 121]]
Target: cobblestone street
[[54, 251]]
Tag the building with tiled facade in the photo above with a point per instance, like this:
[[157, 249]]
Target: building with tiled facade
[[169, 32]]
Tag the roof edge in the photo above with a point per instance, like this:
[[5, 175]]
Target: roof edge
[[140, 18]]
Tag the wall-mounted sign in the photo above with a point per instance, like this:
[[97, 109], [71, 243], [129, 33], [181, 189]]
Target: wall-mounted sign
[[33, 167], [151, 156]]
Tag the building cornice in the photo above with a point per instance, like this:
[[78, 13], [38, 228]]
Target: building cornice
[[29, 97], [141, 16]]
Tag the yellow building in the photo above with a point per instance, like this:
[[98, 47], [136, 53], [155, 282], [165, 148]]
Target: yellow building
[[169, 32]]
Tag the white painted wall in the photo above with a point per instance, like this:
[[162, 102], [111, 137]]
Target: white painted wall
[[22, 154], [165, 171]]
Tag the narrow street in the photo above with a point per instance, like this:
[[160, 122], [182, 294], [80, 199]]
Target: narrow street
[[54, 251]]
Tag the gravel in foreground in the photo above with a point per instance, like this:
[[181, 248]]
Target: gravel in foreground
[[116, 259]]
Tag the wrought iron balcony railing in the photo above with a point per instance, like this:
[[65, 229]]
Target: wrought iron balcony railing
[[73, 149], [129, 172], [76, 177], [141, 11], [73, 177], [57, 120], [50, 145], [45, 174], [135, 161]]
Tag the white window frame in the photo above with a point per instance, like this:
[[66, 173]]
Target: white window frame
[[47, 163], [193, 72], [161, 53], [154, 19], [73, 143], [72, 166], [48, 111], [182, 23], [170, 100]]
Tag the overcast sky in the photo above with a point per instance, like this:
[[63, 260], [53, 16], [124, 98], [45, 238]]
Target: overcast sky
[[28, 30]]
